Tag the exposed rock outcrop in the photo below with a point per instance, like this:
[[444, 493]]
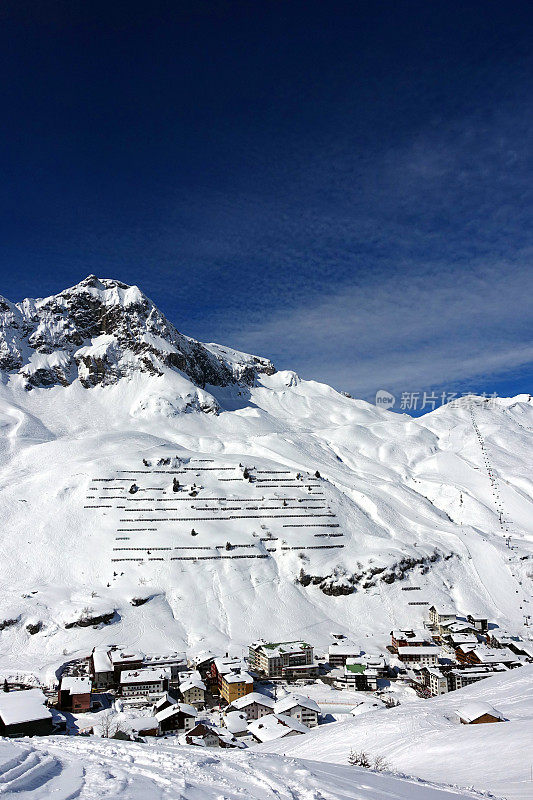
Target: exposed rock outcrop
[[102, 330]]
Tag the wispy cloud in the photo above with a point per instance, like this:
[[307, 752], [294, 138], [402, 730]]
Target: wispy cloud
[[424, 329]]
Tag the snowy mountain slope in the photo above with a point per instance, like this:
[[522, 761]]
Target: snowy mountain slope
[[401, 502], [95, 769], [425, 738]]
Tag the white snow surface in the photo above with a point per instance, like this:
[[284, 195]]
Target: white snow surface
[[100, 769]]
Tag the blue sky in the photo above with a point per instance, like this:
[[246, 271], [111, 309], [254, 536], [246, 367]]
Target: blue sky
[[343, 187]]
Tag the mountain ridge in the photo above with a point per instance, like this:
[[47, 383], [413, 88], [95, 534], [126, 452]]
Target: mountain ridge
[[101, 330]]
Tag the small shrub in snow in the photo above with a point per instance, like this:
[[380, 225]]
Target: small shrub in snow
[[359, 759], [390, 702], [362, 759], [380, 764]]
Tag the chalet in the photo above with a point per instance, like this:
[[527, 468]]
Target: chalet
[[165, 701], [192, 690], [74, 694], [150, 683], [464, 654], [206, 735], [407, 638], [478, 713], [101, 669], [175, 718], [24, 713], [300, 708], [441, 615], [254, 705], [338, 652], [235, 685], [275, 726], [419, 656], [282, 659]]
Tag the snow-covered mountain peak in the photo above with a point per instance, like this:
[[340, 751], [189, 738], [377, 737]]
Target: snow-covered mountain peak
[[102, 330]]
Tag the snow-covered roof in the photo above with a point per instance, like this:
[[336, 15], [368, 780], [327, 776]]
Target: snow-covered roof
[[125, 655], [197, 734], [187, 674], [457, 626], [253, 697], [475, 709], [226, 664], [238, 677], [27, 705], [275, 726], [101, 660], [430, 650], [488, 655], [192, 683], [479, 669], [464, 638], [202, 657], [366, 705], [165, 698], [165, 658], [293, 700], [236, 722], [143, 723], [76, 685], [374, 660], [344, 649], [148, 675], [526, 647], [410, 635], [276, 649], [444, 610], [434, 671], [185, 708]]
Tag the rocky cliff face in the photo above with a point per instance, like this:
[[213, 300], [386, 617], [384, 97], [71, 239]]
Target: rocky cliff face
[[102, 330]]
